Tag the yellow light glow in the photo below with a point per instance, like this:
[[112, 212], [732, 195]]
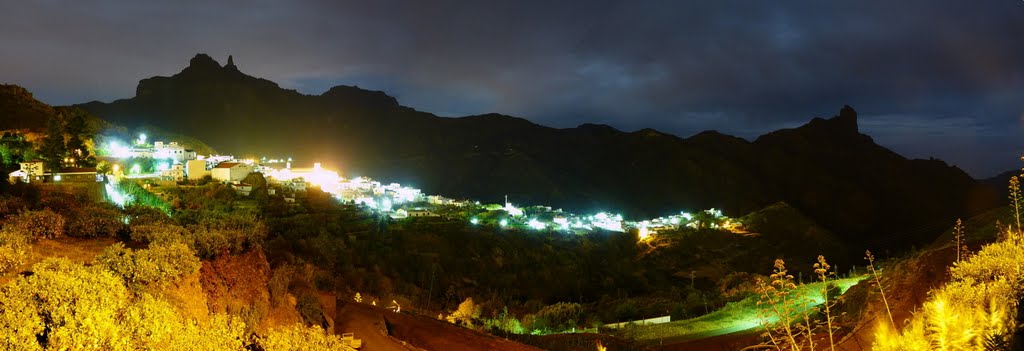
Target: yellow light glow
[[644, 233]]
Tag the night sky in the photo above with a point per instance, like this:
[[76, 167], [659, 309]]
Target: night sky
[[929, 78]]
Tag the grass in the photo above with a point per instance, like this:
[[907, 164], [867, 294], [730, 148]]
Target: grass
[[734, 317]]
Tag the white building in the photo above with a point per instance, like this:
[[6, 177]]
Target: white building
[[196, 169], [176, 172], [231, 171], [32, 169], [420, 213], [172, 151]]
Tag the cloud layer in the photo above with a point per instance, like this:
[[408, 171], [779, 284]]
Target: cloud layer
[[930, 78]]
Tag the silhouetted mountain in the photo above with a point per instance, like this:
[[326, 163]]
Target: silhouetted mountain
[[826, 169], [20, 110], [1001, 182]]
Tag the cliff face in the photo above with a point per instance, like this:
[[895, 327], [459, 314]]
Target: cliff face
[[826, 168]]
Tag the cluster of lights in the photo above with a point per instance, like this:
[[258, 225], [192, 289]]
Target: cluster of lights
[[386, 198]]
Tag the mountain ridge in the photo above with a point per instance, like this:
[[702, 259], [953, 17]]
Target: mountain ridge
[[825, 168]]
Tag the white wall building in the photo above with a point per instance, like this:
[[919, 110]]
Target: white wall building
[[172, 151], [196, 169], [231, 171]]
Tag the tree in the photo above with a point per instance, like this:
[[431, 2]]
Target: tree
[[77, 131], [53, 149], [465, 314]]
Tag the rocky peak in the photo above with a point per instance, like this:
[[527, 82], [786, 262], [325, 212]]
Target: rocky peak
[[231, 64], [202, 62], [847, 119]]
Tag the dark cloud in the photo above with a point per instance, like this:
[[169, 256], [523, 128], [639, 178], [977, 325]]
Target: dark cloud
[[930, 78]]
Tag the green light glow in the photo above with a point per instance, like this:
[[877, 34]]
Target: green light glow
[[734, 317]]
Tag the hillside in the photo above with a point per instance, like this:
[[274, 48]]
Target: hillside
[[19, 110], [826, 168]]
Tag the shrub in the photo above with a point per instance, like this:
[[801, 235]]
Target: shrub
[[160, 234], [37, 224], [141, 215], [68, 306], [154, 324], [157, 265], [504, 322], [96, 221], [13, 250], [298, 337], [60, 202], [466, 314], [280, 278], [63, 305], [977, 307], [216, 233], [11, 205], [558, 317], [309, 308]]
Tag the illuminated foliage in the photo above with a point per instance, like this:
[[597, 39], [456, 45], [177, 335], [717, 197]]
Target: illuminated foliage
[[781, 322], [1015, 200], [158, 265], [66, 306], [299, 338], [561, 316], [467, 312], [14, 250], [958, 237], [505, 322], [972, 312], [37, 224], [159, 233], [155, 325], [140, 196], [878, 283], [823, 270]]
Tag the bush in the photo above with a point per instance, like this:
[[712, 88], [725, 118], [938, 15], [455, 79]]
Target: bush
[[157, 265], [466, 314], [160, 234], [11, 205], [298, 337], [154, 324], [309, 308], [558, 317], [37, 224], [68, 306], [13, 250], [140, 215], [63, 305], [280, 279], [218, 233], [96, 221]]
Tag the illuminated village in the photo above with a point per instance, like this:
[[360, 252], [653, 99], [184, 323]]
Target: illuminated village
[[173, 162]]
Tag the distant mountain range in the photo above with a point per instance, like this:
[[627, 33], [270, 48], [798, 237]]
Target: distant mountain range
[[826, 168]]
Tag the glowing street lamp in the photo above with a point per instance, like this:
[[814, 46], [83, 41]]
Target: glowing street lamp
[[142, 138]]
